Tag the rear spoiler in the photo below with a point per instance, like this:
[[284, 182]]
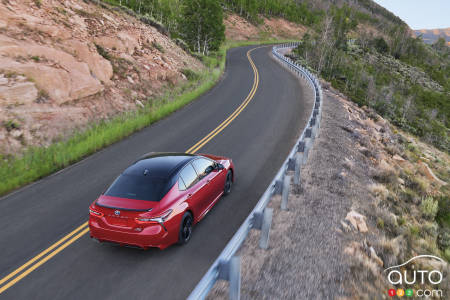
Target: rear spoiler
[[121, 208]]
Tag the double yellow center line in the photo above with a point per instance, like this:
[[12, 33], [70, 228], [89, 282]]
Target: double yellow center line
[[31, 265], [233, 116]]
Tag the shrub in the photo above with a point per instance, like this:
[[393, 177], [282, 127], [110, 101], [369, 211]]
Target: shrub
[[182, 44], [443, 239], [443, 214], [385, 176], [414, 230], [447, 254], [102, 52], [409, 196], [11, 125], [190, 74], [150, 20], [429, 207], [120, 66], [158, 46], [380, 45], [43, 96], [380, 223], [417, 184]]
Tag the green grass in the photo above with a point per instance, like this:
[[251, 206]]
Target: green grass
[[38, 162]]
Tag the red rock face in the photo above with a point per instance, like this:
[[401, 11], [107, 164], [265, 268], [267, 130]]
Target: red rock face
[[66, 63], [238, 28]]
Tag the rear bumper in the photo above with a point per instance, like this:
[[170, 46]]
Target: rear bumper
[[150, 236]]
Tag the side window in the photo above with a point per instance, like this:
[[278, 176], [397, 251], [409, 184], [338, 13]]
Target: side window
[[201, 166], [181, 186], [189, 176]]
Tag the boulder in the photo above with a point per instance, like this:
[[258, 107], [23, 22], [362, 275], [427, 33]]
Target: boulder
[[345, 227], [100, 67], [357, 220]]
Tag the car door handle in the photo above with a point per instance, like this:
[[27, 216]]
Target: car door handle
[[208, 181], [189, 195]]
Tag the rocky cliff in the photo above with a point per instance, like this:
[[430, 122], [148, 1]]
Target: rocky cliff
[[65, 63]]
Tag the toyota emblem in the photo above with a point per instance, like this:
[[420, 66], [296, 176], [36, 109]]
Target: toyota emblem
[[117, 212]]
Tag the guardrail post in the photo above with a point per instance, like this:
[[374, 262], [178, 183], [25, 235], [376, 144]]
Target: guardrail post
[[278, 188], [285, 193], [308, 133], [307, 147], [298, 165], [263, 221], [291, 164], [317, 126], [265, 229], [313, 132], [315, 113], [231, 271]]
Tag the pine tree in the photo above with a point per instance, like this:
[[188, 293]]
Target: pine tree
[[202, 25]]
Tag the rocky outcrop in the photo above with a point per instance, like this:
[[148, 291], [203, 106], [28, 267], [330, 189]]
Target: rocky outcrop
[[66, 63], [357, 220], [238, 28], [17, 90]]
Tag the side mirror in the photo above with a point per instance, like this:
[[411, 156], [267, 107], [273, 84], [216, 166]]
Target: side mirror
[[209, 169], [219, 167]]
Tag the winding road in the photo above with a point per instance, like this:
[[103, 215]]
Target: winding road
[[253, 115]]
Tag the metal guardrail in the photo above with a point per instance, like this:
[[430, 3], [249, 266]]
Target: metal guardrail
[[227, 265]]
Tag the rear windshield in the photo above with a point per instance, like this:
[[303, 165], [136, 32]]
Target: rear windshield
[[138, 187]]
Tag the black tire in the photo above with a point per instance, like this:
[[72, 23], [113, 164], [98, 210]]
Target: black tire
[[228, 183], [185, 228]]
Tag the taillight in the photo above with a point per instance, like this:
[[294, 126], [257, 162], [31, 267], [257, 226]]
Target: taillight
[[95, 213], [159, 219]]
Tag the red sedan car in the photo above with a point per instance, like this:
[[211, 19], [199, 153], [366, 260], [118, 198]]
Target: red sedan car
[[156, 201]]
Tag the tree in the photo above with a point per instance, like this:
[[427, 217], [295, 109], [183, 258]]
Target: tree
[[380, 45], [202, 25]]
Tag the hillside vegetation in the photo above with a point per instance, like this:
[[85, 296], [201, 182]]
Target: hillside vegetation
[[399, 76]]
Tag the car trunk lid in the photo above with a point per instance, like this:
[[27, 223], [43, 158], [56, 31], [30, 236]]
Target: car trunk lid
[[125, 204], [121, 211]]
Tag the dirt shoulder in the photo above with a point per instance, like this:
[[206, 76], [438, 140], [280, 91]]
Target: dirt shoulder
[[349, 221]]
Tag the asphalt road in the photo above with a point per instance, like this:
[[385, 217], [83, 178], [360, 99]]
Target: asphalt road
[[258, 141]]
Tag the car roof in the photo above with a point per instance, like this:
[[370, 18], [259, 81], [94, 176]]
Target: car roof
[[157, 164]]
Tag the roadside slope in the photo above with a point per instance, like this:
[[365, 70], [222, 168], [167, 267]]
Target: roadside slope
[[371, 197]]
